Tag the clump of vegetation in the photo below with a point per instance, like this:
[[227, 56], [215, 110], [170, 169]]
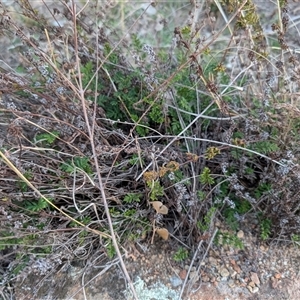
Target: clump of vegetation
[[107, 133]]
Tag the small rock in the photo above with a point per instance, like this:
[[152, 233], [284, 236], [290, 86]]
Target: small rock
[[224, 272], [255, 290], [252, 284], [231, 283], [182, 274], [236, 268], [277, 276], [249, 288], [175, 281], [205, 278], [254, 278], [212, 260], [262, 248], [240, 234], [274, 282], [232, 261], [194, 275], [233, 274]]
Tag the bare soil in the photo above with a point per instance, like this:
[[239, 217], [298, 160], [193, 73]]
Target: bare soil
[[260, 272]]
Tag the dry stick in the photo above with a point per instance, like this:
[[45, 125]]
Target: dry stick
[[83, 284], [101, 66], [194, 257], [177, 137], [21, 176], [205, 254], [91, 135], [49, 132], [189, 270]]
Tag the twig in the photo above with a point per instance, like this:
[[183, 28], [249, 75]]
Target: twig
[[84, 284], [192, 262], [91, 135], [189, 270], [205, 254]]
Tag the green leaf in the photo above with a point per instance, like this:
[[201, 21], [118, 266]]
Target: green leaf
[[205, 177], [156, 190], [47, 138], [82, 163], [181, 254], [37, 206], [132, 197]]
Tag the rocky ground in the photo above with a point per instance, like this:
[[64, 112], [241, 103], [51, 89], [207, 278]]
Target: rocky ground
[[260, 271]]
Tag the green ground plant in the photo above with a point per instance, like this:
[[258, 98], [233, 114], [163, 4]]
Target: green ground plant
[[265, 225], [82, 163], [296, 239], [181, 254], [47, 138], [230, 239]]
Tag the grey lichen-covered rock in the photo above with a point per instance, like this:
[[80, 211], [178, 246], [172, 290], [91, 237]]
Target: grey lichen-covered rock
[[157, 291]]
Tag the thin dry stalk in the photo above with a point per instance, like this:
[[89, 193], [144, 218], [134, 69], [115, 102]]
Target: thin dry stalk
[[191, 264], [91, 135]]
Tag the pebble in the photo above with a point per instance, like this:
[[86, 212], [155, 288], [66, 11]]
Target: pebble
[[231, 283], [252, 284], [212, 260], [262, 248], [277, 276], [252, 290], [254, 278], [240, 234], [236, 268], [194, 275], [233, 274], [274, 282], [224, 272], [182, 274], [175, 281]]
